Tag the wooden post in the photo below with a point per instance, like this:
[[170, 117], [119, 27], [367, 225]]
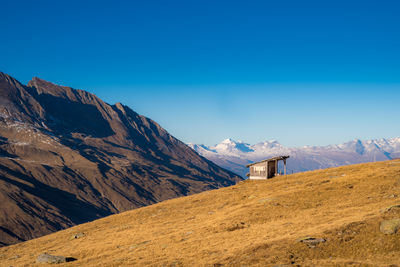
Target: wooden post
[[276, 167], [284, 168]]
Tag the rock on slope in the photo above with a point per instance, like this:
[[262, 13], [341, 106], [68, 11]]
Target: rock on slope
[[67, 157], [234, 155], [332, 217]]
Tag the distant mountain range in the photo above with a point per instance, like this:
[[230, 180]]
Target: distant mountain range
[[234, 155], [67, 157]]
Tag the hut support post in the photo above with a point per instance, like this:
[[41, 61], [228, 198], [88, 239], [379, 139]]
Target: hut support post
[[284, 166]]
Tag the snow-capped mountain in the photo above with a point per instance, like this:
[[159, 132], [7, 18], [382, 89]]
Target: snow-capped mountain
[[234, 155]]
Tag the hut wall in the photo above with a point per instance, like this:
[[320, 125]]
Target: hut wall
[[259, 170]]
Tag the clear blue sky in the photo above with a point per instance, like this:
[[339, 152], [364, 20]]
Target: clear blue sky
[[302, 72]]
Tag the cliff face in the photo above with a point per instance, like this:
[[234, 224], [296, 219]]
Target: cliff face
[[67, 157]]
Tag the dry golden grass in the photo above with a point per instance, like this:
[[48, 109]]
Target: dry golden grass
[[254, 223]]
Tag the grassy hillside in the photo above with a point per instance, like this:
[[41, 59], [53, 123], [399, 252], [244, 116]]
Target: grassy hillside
[[254, 223]]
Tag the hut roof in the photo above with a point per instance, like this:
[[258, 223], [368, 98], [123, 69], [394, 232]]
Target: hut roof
[[270, 159]]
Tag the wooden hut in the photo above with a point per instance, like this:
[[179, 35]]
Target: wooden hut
[[266, 169]]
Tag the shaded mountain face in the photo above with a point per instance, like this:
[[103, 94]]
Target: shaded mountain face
[[16, 102], [67, 157], [235, 155]]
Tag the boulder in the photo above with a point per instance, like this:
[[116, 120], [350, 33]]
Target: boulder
[[393, 207], [312, 242], [47, 258], [77, 235], [390, 227]]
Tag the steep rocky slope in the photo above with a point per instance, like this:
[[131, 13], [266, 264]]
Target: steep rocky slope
[[67, 157], [329, 217]]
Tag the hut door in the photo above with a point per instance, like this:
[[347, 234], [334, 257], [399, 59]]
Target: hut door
[[271, 169]]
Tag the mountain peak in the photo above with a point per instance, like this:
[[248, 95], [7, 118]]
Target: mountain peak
[[7, 79], [5, 76], [36, 80], [46, 87], [230, 146], [16, 102], [229, 141], [120, 107]]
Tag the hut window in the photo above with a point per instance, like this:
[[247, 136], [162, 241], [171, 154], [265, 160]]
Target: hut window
[[258, 170]]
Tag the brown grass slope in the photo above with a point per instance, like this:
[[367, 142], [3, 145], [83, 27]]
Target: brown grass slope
[[254, 223]]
